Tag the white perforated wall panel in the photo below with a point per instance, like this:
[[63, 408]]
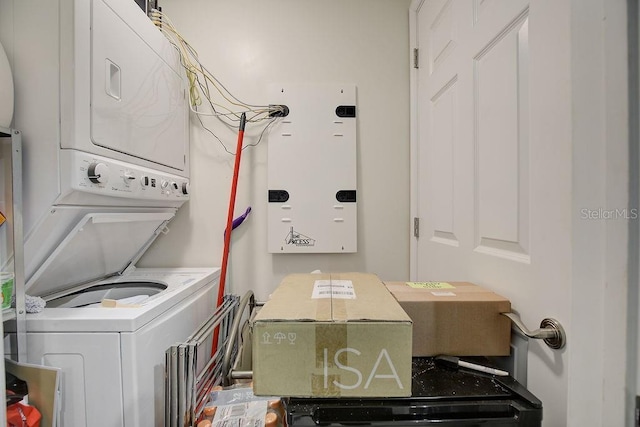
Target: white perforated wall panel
[[312, 170]]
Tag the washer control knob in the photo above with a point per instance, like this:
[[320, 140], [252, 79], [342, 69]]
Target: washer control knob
[[174, 186], [185, 188], [164, 184], [128, 177], [98, 173], [144, 181]]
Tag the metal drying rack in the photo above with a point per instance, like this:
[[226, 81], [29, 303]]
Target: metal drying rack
[[191, 371]]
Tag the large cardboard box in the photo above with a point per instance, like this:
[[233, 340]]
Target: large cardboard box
[[334, 335], [455, 318]]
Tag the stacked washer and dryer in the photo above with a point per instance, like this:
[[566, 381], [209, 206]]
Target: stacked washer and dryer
[[101, 101]]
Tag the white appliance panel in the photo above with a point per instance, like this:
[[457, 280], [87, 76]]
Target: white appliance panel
[[122, 183], [112, 359], [312, 157], [138, 102], [89, 363], [154, 339], [59, 94]]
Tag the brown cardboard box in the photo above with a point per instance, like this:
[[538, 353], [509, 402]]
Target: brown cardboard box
[[455, 318], [334, 335]]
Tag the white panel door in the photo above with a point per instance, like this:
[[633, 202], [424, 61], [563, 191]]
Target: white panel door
[[500, 182]]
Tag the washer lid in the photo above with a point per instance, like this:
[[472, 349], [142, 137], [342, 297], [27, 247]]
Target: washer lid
[[99, 246]]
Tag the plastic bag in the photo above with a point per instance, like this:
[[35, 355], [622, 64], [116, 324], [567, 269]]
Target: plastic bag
[[21, 415], [238, 407]]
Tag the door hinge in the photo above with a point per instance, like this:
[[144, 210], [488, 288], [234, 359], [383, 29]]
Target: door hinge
[[415, 58], [416, 227]]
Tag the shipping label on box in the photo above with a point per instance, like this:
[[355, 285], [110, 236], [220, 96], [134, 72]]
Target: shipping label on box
[[332, 336]]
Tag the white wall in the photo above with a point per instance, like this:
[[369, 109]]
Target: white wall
[[249, 44]]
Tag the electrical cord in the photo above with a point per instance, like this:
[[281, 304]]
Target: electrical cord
[[201, 81], [203, 84], [222, 144]]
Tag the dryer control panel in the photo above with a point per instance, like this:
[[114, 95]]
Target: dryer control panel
[[112, 178]]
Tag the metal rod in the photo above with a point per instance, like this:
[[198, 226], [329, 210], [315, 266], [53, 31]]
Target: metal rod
[[173, 358], [241, 375], [207, 327], [249, 299], [182, 394]]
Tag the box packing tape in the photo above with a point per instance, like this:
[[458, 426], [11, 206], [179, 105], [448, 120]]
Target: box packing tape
[[329, 339]]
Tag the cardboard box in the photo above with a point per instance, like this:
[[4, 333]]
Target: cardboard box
[[455, 318], [335, 335]]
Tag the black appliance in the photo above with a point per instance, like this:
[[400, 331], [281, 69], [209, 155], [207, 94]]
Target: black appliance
[[440, 396]]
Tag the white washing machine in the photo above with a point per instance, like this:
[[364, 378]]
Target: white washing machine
[[101, 101], [113, 359], [109, 332]]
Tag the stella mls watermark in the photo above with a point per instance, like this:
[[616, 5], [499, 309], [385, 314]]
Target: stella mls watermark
[[601, 213]]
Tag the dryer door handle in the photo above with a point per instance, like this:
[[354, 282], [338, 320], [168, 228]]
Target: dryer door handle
[[113, 83]]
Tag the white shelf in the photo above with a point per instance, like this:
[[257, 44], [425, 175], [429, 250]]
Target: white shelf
[[11, 158], [8, 314], [11, 252]]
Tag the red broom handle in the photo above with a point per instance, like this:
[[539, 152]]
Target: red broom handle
[[227, 233]]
